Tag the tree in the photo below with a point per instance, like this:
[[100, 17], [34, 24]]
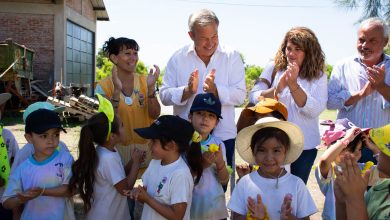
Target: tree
[[371, 8]]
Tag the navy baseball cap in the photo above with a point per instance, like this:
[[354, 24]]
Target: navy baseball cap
[[168, 126], [206, 102], [41, 120]]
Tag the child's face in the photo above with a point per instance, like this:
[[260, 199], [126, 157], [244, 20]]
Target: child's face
[[120, 136], [357, 153], [384, 163], [270, 156], [204, 122], [157, 152], [44, 144]]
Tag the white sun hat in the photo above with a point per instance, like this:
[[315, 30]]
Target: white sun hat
[[244, 138]]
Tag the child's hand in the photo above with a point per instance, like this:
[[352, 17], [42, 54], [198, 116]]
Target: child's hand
[[208, 159], [256, 209], [349, 181], [286, 207], [242, 170], [219, 158], [138, 156], [352, 133], [30, 194], [139, 194], [369, 144]]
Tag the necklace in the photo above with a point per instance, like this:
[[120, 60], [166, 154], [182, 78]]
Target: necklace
[[261, 172]]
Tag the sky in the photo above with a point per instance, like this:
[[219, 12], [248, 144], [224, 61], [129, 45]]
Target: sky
[[253, 27]]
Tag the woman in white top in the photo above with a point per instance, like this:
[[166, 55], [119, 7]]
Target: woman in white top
[[296, 77]]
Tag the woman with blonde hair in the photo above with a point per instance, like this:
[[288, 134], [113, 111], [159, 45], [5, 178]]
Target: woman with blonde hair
[[296, 78]]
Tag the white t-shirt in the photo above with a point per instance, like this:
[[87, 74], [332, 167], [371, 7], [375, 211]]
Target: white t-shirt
[[208, 197], [272, 197], [169, 184], [108, 203], [12, 147], [52, 172], [27, 150]]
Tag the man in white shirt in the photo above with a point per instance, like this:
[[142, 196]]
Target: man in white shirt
[[206, 66]]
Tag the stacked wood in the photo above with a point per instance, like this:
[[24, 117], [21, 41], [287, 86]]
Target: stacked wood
[[82, 107]]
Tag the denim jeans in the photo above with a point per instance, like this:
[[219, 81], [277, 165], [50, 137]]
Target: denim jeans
[[302, 166]]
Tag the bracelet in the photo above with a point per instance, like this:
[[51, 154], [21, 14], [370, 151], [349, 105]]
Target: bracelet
[[219, 169], [294, 90]]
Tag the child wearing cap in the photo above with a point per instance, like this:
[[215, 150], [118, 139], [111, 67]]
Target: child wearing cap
[[271, 192], [168, 181], [342, 137], [10, 151], [41, 181], [99, 175], [28, 149], [208, 197], [352, 202]]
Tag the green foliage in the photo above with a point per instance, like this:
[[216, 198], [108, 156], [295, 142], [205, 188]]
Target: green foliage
[[328, 70], [387, 49], [370, 8], [252, 72], [99, 58]]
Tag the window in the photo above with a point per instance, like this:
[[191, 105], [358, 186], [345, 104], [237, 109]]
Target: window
[[79, 56]]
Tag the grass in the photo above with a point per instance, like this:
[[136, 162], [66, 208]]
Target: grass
[[328, 115]]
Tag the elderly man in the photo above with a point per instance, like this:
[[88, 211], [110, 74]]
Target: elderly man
[[206, 66], [359, 86]]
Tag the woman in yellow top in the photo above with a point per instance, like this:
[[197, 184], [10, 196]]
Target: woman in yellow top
[[132, 94]]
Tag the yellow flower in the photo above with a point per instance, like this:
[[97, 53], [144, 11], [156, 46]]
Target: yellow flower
[[196, 138], [213, 148], [367, 167]]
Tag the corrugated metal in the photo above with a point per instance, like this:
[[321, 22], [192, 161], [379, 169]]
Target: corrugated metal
[[100, 9]]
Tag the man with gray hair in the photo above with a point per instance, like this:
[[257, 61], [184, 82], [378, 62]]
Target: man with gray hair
[[206, 66], [359, 87]]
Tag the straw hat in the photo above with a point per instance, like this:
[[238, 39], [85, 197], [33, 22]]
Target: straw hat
[[268, 105], [244, 138]]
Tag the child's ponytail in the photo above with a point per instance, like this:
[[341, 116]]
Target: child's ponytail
[[194, 160], [83, 169]]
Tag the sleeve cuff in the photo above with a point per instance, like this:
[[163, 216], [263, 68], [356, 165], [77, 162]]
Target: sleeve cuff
[[177, 94]]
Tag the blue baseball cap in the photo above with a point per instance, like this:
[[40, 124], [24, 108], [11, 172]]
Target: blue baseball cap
[[206, 102], [41, 120]]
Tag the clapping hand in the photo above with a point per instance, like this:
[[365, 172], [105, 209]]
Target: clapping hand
[[115, 79], [209, 85], [286, 207], [376, 76], [349, 183], [256, 208], [193, 81], [153, 77]]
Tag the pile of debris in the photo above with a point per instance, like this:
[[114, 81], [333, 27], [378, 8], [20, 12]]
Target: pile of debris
[[81, 107]]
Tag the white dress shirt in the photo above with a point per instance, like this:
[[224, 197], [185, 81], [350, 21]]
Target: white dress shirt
[[229, 80]]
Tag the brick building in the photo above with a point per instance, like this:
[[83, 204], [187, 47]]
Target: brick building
[[61, 32]]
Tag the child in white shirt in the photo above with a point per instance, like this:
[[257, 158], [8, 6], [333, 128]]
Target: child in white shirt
[[41, 181], [271, 192], [99, 175], [167, 182], [208, 197]]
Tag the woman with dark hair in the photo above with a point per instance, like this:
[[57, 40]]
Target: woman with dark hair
[[296, 78], [131, 94]]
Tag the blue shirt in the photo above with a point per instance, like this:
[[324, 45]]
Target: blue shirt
[[349, 77]]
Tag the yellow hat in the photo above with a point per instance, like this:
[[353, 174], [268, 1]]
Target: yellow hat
[[381, 137]]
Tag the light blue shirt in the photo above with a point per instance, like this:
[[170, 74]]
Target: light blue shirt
[[348, 77]]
